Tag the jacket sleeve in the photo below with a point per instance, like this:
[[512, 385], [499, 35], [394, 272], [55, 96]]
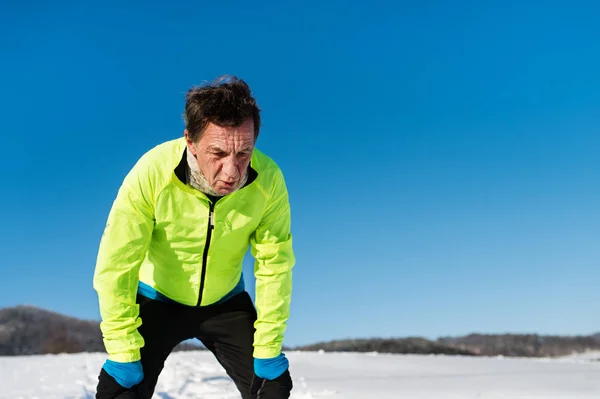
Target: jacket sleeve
[[271, 246], [122, 249]]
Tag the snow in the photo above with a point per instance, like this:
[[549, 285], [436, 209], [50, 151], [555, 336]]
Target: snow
[[324, 375]]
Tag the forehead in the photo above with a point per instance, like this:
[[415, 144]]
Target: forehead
[[215, 135]]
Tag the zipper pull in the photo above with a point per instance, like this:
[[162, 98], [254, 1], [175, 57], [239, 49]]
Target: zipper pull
[[211, 219]]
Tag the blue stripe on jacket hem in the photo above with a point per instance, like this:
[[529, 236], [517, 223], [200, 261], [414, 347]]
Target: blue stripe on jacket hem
[[149, 292]]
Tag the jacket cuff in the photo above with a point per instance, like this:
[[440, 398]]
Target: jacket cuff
[[267, 352], [125, 357]]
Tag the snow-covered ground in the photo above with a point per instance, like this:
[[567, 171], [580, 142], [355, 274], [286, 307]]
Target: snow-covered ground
[[340, 375]]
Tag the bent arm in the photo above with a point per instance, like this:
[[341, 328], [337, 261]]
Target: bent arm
[[271, 246], [122, 249]]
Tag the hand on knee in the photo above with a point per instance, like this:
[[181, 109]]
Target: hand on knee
[[271, 368], [272, 378], [126, 374]]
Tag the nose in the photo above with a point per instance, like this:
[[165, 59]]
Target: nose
[[230, 167]]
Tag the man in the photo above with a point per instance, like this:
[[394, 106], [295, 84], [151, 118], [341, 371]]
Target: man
[[169, 264]]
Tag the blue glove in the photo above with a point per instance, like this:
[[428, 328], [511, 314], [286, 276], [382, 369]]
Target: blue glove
[[126, 374], [272, 368]]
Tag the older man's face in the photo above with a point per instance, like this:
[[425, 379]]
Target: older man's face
[[223, 154]]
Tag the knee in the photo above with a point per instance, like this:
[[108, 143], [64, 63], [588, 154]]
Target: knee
[[279, 388]]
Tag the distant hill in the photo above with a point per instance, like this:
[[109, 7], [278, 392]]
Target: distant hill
[[523, 345], [28, 330], [413, 345], [528, 345]]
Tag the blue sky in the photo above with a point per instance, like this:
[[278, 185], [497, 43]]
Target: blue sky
[[442, 161]]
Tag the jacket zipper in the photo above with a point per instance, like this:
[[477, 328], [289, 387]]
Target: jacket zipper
[[211, 226]]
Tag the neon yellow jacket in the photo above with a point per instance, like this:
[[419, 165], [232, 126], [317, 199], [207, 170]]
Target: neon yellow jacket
[[157, 232]]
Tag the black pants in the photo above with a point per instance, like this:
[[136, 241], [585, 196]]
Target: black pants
[[226, 329]]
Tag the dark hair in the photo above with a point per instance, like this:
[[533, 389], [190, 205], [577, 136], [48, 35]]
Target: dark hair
[[227, 101]]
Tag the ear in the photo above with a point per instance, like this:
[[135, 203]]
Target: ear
[[190, 144]]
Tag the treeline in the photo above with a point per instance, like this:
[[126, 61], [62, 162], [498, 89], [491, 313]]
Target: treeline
[[524, 345], [521, 345], [409, 345], [27, 330]]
